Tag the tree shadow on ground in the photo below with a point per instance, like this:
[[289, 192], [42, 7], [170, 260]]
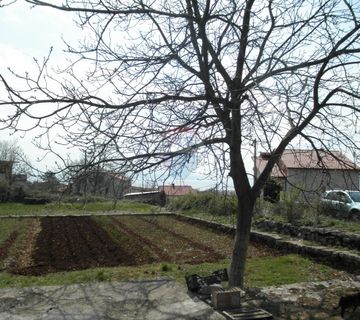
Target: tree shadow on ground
[[153, 299]]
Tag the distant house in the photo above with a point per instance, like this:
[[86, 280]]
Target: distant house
[[176, 191], [6, 173], [101, 183], [20, 178], [154, 197], [159, 196], [312, 171], [19, 181], [6, 170]]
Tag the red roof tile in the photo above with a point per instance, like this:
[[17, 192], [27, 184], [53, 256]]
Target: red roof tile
[[173, 190], [307, 159]]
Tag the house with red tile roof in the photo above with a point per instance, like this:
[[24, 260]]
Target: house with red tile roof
[[312, 170], [176, 191]]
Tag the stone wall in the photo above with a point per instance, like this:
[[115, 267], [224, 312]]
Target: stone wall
[[323, 236], [335, 257]]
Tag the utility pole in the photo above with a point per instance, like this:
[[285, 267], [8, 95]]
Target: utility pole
[[86, 179], [255, 169]]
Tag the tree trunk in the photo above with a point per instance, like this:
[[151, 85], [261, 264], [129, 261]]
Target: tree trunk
[[242, 237]]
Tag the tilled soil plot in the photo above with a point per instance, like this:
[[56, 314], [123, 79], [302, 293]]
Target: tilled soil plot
[[169, 245], [76, 243], [216, 241], [6, 245], [73, 243]]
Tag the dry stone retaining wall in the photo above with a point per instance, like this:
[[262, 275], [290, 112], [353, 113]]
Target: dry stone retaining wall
[[334, 257], [321, 235]]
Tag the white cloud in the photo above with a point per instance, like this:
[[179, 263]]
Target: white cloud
[[14, 57]]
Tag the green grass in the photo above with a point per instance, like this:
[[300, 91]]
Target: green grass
[[260, 272], [7, 226], [73, 208], [20, 209], [123, 205], [229, 219], [324, 221], [292, 268], [341, 225]]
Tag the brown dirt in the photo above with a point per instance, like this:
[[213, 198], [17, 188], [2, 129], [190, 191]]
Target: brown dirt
[[29, 243], [137, 238], [220, 241], [172, 246], [20, 255], [73, 243], [76, 243], [6, 245]]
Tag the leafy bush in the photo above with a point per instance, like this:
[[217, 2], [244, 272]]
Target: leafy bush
[[290, 206], [82, 199], [263, 209], [210, 202]]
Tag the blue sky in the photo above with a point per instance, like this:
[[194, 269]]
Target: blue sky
[[28, 33]]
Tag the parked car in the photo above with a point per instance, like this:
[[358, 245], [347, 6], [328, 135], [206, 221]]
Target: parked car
[[346, 202]]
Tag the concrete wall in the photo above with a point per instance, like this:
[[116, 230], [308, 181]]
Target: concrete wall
[[316, 180]]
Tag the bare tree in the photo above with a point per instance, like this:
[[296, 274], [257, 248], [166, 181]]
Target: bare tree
[[160, 82], [11, 151]]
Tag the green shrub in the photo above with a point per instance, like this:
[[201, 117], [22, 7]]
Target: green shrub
[[83, 199], [166, 267], [101, 275], [263, 209], [214, 203], [290, 206]]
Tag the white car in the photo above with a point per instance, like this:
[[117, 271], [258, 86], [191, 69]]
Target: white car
[[344, 201]]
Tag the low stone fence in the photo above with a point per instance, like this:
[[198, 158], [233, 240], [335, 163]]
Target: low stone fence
[[334, 257], [320, 235]]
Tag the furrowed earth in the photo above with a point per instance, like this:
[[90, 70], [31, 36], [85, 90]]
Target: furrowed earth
[[52, 244]]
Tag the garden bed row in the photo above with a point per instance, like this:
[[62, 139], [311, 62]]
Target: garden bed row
[[68, 243]]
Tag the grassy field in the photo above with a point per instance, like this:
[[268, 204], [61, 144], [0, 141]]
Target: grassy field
[[6, 228], [7, 209], [260, 272]]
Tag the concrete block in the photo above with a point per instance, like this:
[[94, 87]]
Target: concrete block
[[226, 298]]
